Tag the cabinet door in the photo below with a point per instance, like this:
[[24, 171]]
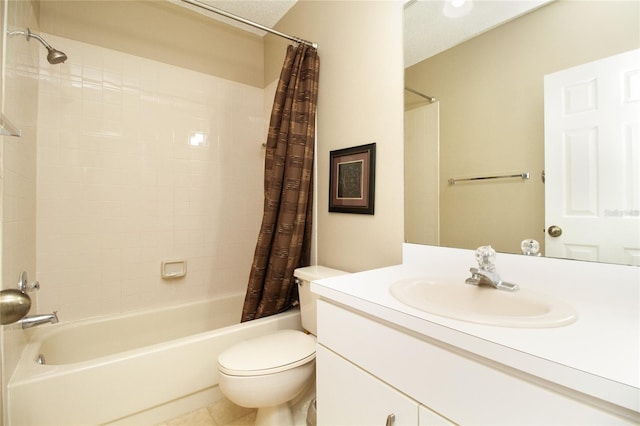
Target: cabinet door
[[428, 417], [348, 395]]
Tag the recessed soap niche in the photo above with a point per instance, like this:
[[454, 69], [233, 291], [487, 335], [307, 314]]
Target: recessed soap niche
[[173, 269]]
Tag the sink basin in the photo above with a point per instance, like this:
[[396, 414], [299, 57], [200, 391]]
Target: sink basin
[[482, 304]]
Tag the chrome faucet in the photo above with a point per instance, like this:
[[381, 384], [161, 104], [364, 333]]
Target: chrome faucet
[[485, 273], [35, 320]]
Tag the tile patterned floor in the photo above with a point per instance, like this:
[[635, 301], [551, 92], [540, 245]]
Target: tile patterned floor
[[222, 413], [226, 413]]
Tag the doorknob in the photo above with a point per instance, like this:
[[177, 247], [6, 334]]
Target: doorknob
[[554, 231]]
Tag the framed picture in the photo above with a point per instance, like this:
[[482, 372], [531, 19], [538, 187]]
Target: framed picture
[[352, 179]]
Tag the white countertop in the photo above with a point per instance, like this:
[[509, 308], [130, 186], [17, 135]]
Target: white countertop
[[599, 354]]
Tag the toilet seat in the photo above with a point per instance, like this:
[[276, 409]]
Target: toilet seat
[[279, 351]]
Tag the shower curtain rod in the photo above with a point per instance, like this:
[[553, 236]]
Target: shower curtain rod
[[415, 92], [248, 22]]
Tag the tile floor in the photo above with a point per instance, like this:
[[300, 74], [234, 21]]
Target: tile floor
[[222, 413], [226, 413]]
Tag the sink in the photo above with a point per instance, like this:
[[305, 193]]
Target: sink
[[482, 304]]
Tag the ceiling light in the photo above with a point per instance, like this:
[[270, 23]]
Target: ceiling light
[[457, 8]]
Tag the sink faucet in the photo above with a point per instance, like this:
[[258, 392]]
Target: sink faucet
[[485, 273], [34, 320]]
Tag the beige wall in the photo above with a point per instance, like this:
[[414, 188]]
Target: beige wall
[[360, 101], [18, 187], [490, 91], [160, 31]]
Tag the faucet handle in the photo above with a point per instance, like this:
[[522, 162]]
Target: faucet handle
[[530, 247], [486, 256], [25, 286]]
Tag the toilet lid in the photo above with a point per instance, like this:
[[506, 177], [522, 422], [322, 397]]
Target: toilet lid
[[268, 354]]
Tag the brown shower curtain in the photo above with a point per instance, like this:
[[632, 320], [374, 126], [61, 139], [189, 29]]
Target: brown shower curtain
[[284, 242]]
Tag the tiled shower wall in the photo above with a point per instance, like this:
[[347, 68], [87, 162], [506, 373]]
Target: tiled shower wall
[[17, 171], [139, 162]]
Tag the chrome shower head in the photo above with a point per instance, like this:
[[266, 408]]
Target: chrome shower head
[[54, 56]]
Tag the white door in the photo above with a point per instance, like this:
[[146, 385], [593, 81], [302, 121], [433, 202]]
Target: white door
[[592, 160], [422, 176]]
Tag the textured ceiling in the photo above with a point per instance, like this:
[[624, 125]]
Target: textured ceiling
[[427, 28], [264, 12]]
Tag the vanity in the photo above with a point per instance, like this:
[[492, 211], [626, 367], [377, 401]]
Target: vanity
[[381, 361]]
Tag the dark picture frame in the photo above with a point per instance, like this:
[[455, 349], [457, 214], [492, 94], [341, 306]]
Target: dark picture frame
[[352, 179]]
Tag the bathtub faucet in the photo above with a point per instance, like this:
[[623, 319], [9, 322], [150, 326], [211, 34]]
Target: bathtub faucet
[[34, 320]]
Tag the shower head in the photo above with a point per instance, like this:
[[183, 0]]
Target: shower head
[[54, 56]]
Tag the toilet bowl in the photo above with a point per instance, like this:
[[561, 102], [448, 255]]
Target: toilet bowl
[[269, 371]]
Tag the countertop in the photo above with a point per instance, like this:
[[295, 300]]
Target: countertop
[[598, 354]]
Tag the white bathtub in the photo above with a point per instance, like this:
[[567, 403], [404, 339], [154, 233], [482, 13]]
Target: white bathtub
[[137, 368]]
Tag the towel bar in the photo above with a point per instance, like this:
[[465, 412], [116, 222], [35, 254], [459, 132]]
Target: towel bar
[[523, 175]]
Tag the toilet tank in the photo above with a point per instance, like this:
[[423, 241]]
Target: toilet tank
[[307, 299]]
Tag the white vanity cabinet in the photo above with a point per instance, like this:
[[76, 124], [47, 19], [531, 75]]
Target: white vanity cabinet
[[368, 369], [351, 396]]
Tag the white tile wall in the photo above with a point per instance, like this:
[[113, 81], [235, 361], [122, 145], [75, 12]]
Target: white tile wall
[[138, 162], [17, 171]]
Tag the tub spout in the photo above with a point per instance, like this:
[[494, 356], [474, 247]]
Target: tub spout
[[34, 320]]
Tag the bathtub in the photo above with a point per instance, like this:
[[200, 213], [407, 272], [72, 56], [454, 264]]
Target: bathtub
[[138, 368]]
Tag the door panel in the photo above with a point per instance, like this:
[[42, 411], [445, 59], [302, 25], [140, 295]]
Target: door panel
[[592, 160]]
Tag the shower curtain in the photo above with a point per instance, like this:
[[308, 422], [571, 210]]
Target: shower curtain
[[284, 241]]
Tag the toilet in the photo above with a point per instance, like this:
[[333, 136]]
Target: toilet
[[267, 372]]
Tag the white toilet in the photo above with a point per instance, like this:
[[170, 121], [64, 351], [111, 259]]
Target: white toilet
[[267, 372]]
